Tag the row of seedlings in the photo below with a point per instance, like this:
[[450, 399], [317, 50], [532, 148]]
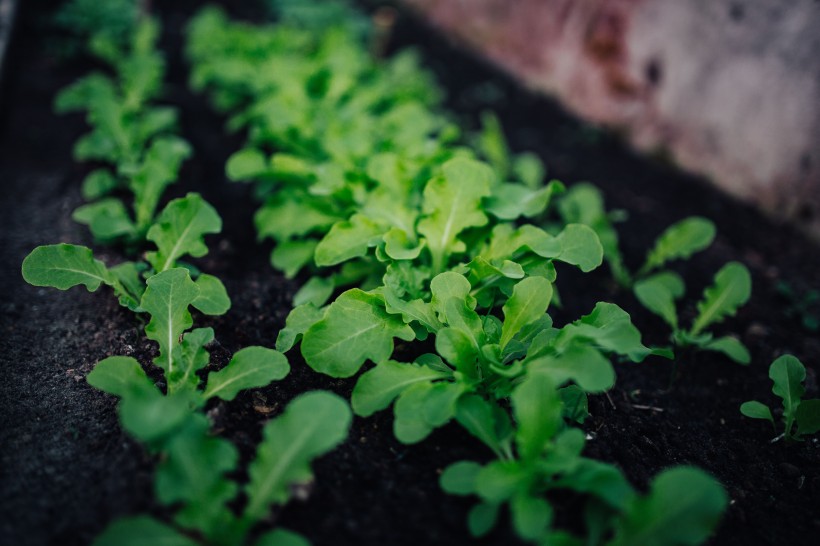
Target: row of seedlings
[[136, 141]]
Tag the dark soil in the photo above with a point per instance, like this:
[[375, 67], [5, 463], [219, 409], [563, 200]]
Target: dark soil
[[67, 469]]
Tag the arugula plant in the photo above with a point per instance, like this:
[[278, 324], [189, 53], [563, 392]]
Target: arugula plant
[[130, 134], [538, 456], [800, 417], [730, 290], [195, 476], [178, 233]]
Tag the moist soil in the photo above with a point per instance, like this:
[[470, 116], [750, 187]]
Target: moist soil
[[67, 469]]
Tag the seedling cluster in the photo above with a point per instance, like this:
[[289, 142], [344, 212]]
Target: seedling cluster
[[402, 227]]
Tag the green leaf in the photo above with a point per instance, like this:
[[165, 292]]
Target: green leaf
[[159, 168], [531, 516], [282, 537], [213, 298], [658, 294], [192, 472], [120, 376], [355, 328], [190, 357], [167, 299], [458, 349], [64, 266], [609, 328], [580, 246], [246, 164], [452, 203], [98, 183], [482, 518], [680, 241], [483, 420], [284, 217], [108, 219], [151, 417], [731, 290], [459, 478], [682, 508], [500, 481], [141, 531], [250, 368], [291, 256], [808, 417], [731, 347], [575, 403], [528, 303], [399, 246], [313, 424], [347, 239], [377, 388], [788, 373], [315, 292], [537, 409], [580, 363], [409, 425], [180, 231], [299, 320], [509, 201], [756, 410]]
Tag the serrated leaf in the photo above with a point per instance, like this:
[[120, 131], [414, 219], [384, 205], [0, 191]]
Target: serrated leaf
[[452, 203], [141, 531], [313, 424], [731, 289], [459, 478], [180, 231], [158, 169], [355, 328], [377, 388], [528, 303], [166, 299], [682, 508], [756, 410], [680, 241], [658, 294], [63, 266], [250, 368], [213, 298], [347, 239]]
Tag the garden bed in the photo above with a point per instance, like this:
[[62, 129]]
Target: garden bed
[[68, 470]]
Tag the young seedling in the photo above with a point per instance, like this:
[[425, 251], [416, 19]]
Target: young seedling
[[195, 474], [731, 290], [800, 417], [539, 456]]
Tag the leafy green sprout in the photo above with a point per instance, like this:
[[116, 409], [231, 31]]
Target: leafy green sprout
[[800, 417], [729, 291]]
